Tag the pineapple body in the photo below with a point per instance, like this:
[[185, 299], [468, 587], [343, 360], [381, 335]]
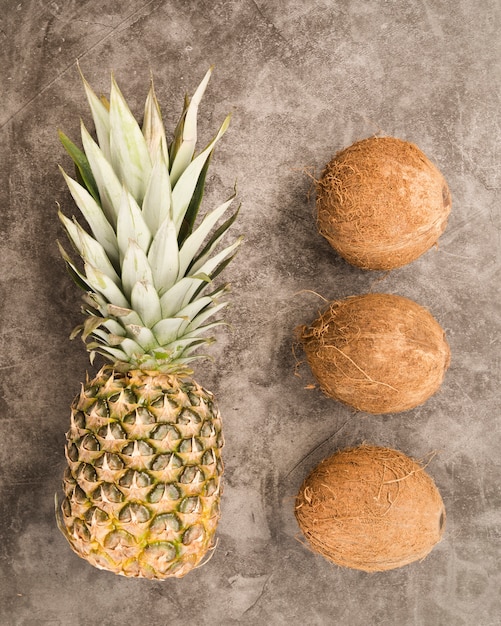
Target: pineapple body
[[143, 483]]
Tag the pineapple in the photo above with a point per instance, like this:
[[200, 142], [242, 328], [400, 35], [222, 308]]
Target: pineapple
[[143, 482]]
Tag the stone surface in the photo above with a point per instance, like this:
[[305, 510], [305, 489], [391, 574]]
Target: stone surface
[[302, 80]]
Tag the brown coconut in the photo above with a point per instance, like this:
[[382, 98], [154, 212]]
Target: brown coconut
[[378, 353], [381, 203], [370, 508]]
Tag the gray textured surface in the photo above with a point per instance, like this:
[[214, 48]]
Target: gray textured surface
[[302, 80]]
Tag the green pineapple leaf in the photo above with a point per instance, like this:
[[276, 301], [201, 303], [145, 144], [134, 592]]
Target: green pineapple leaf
[[129, 152], [179, 295], [191, 213], [101, 117], [192, 244], [131, 225], [204, 315], [77, 277], [167, 330], [185, 187], [95, 218], [209, 265], [153, 128], [113, 327], [108, 184], [143, 337], [135, 268], [157, 203], [186, 148], [163, 257], [178, 132], [146, 261], [88, 247], [82, 165], [212, 243], [105, 286], [145, 301]]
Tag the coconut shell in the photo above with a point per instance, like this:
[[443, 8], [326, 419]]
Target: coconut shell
[[378, 353], [370, 508], [381, 203]]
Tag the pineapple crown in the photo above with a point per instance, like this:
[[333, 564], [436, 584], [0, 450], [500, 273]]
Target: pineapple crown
[[148, 263]]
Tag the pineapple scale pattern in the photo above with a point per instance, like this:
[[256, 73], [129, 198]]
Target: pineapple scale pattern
[[142, 487]]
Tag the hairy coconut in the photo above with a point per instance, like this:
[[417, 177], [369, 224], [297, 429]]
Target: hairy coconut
[[381, 203], [378, 353], [370, 508]]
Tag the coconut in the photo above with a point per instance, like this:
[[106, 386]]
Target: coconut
[[381, 203], [378, 353], [370, 508]]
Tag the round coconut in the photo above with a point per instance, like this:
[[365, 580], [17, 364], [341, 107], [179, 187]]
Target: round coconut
[[370, 508], [381, 203], [378, 353]]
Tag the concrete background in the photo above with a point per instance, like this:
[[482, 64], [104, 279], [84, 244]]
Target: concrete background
[[302, 80]]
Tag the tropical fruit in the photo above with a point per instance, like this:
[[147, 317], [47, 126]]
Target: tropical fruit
[[381, 203], [370, 508], [376, 352], [143, 483]]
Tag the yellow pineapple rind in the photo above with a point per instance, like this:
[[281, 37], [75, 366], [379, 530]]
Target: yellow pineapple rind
[[143, 483]]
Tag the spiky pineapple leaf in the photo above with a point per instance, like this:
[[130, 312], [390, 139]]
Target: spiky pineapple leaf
[[128, 348], [153, 128], [190, 311], [191, 213], [95, 218], [157, 201], [143, 218], [94, 253], [99, 108], [77, 277], [82, 165], [178, 131], [135, 268], [186, 148], [183, 191], [145, 300], [143, 337], [183, 352], [113, 327], [88, 248], [202, 255], [222, 266], [108, 352], [109, 338], [131, 225], [179, 346], [163, 257], [96, 304], [209, 265], [214, 275], [167, 330], [180, 294], [195, 326], [108, 185], [203, 316], [125, 314], [192, 244], [90, 326], [129, 152], [105, 286]]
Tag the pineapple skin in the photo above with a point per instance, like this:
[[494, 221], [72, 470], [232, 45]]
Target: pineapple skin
[[143, 482]]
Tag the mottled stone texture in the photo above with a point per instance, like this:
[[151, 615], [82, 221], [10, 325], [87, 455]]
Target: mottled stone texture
[[302, 80]]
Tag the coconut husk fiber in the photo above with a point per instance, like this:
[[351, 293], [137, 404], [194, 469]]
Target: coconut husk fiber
[[378, 353], [370, 508], [381, 203]]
